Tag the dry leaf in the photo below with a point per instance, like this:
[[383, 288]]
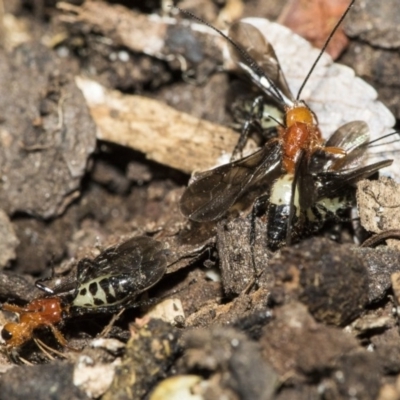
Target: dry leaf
[[314, 20]]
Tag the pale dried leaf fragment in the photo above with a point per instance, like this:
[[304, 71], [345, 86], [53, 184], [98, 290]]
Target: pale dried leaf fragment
[[379, 206], [169, 310], [87, 372], [163, 134]]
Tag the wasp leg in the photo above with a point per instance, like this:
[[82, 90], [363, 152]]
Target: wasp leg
[[251, 125], [335, 150], [40, 282], [61, 339], [58, 335], [14, 308], [109, 326], [40, 285]]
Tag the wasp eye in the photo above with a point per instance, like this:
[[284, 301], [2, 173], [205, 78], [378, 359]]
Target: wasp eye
[[6, 335]]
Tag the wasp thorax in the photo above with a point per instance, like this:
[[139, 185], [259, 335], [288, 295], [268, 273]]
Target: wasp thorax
[[299, 114]]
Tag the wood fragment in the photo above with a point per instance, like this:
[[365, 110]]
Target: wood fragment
[[238, 258], [165, 135], [136, 31]]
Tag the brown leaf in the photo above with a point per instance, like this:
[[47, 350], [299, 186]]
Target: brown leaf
[[315, 20]]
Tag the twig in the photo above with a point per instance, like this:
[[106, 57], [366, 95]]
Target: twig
[[379, 237]]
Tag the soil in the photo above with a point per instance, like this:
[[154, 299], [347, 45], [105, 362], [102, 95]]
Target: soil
[[314, 320]]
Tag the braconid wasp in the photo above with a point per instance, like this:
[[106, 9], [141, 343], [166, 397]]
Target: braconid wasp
[[107, 284], [303, 179]]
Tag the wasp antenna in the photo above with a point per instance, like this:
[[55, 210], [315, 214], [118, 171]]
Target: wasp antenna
[[43, 287], [43, 348], [21, 359], [381, 138], [251, 63], [276, 120], [324, 48]]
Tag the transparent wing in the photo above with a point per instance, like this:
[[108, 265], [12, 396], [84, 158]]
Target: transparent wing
[[259, 61], [332, 183], [142, 258], [352, 138], [212, 194]]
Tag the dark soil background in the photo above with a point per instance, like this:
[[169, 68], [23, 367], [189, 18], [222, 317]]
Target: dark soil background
[[321, 320]]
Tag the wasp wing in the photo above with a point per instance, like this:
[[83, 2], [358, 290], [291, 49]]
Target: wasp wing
[[213, 192], [330, 184], [332, 172], [257, 58], [142, 258], [352, 138]]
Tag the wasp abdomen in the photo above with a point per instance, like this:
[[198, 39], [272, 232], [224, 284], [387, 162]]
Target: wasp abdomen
[[328, 209], [277, 224], [103, 291], [279, 210]]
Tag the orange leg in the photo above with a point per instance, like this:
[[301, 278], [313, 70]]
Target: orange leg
[[335, 150], [14, 308], [58, 335]]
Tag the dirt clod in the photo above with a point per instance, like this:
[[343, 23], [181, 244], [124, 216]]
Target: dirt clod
[[329, 278]]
